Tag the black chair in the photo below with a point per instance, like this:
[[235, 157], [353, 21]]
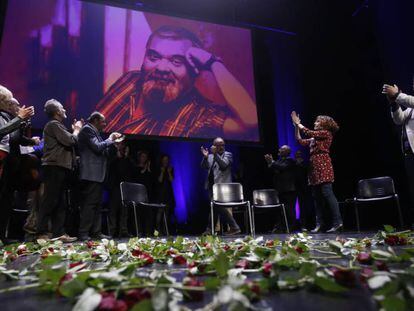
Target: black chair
[[376, 189], [266, 199], [229, 195], [20, 207], [135, 195]]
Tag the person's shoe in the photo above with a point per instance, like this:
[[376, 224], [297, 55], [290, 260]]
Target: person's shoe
[[66, 238], [125, 235], [45, 237], [9, 241], [84, 238], [206, 232], [336, 228], [101, 236], [317, 229], [232, 231]]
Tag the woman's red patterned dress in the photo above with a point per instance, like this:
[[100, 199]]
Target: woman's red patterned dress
[[320, 169]]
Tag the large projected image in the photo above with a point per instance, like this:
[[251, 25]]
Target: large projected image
[[149, 74]]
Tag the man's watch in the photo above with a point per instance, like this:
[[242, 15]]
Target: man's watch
[[211, 61]]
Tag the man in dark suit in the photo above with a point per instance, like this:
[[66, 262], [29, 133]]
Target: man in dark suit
[[284, 178], [94, 152], [218, 164]]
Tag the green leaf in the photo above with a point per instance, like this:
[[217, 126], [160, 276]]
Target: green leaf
[[212, 283], [49, 278], [308, 269], [51, 260], [262, 252], [221, 264], [389, 288], [144, 305], [393, 304], [389, 229], [329, 285], [72, 288]]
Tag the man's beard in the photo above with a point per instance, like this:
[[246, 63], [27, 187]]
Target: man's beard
[[158, 88]]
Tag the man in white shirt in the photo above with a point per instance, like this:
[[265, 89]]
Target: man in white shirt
[[405, 118]]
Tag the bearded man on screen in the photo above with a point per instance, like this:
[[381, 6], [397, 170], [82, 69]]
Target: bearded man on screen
[[181, 90]]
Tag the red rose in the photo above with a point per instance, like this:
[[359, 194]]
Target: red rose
[[21, 250], [51, 249], [244, 264], [148, 259], [267, 268], [136, 295], [179, 260], [270, 243], [193, 295], [299, 249], [90, 244], [171, 252], [381, 266], [226, 247], [74, 264], [344, 277], [391, 240], [364, 258], [94, 255], [137, 252]]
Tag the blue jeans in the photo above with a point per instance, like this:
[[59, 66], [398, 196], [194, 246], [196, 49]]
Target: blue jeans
[[325, 198]]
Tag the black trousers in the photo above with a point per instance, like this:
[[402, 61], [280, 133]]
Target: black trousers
[[53, 206], [90, 213], [118, 214], [409, 168], [289, 200]]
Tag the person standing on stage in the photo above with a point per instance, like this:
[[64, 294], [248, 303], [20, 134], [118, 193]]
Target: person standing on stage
[[218, 163], [321, 174], [94, 153], [399, 100], [284, 177], [58, 162], [302, 189]]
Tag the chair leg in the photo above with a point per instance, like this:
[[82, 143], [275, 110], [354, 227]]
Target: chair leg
[[212, 217], [136, 219], [357, 215], [107, 224], [6, 234], [250, 219], [165, 223], [397, 200], [284, 216], [253, 219]]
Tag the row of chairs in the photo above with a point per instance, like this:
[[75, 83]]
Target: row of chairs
[[230, 195]]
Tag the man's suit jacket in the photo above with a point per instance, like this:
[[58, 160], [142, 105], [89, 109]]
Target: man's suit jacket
[[94, 153], [284, 174], [219, 166], [405, 117]]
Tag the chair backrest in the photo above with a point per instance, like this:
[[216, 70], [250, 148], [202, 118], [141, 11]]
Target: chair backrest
[[265, 197], [376, 187], [228, 192], [132, 192]]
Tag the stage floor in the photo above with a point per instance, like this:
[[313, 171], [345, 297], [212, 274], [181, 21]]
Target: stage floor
[[357, 296]]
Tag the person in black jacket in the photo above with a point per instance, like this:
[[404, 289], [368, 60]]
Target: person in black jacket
[[284, 178]]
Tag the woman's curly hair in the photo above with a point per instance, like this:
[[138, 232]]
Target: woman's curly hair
[[328, 123]]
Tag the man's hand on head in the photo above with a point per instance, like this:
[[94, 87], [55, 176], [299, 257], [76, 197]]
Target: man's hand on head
[[197, 58]]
